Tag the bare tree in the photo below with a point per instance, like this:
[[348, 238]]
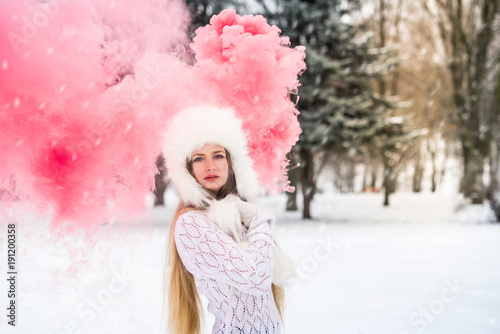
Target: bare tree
[[466, 31]]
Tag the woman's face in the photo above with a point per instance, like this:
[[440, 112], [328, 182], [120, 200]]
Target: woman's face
[[210, 166]]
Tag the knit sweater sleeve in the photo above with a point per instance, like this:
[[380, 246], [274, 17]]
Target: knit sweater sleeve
[[209, 252]]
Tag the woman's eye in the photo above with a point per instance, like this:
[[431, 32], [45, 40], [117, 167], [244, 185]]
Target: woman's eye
[[219, 156], [197, 159]]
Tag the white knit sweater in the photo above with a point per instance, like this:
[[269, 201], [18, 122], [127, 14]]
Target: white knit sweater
[[236, 282]]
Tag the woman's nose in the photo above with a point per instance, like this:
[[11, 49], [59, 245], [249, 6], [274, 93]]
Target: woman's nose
[[210, 165]]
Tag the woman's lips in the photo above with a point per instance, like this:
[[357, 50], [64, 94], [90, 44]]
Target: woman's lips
[[211, 178]]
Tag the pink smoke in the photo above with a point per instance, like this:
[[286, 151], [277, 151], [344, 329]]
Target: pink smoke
[[254, 70], [87, 88]]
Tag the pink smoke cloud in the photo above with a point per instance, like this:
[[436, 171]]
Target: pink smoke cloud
[[87, 88]]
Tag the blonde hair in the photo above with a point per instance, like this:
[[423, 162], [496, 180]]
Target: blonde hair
[[184, 304], [179, 287]]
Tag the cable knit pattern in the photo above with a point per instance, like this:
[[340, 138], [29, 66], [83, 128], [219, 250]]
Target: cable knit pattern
[[236, 282]]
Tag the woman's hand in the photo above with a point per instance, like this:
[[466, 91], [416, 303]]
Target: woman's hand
[[225, 214], [248, 211]]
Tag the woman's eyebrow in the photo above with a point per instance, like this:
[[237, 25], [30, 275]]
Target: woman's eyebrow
[[198, 154], [220, 151]]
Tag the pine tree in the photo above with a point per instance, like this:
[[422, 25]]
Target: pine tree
[[338, 107]]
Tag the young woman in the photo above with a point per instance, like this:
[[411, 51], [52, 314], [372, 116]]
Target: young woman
[[220, 244]]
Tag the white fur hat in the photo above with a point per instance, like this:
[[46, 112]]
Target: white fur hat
[[192, 128]]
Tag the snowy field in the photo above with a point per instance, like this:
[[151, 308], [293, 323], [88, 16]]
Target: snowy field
[[429, 263]]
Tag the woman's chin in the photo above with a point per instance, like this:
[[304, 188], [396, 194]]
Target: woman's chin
[[212, 187]]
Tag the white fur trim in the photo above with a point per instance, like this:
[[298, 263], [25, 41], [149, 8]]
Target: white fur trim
[[192, 128], [283, 269]]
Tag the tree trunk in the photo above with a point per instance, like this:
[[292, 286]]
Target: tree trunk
[[381, 81], [432, 148], [387, 184], [291, 201], [374, 171], [338, 182], [365, 177], [492, 193], [350, 175], [434, 172], [160, 180], [418, 173], [393, 182], [397, 40], [308, 182], [443, 166], [493, 187], [294, 178], [472, 185]]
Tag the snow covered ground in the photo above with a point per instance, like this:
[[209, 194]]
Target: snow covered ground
[[429, 263]]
